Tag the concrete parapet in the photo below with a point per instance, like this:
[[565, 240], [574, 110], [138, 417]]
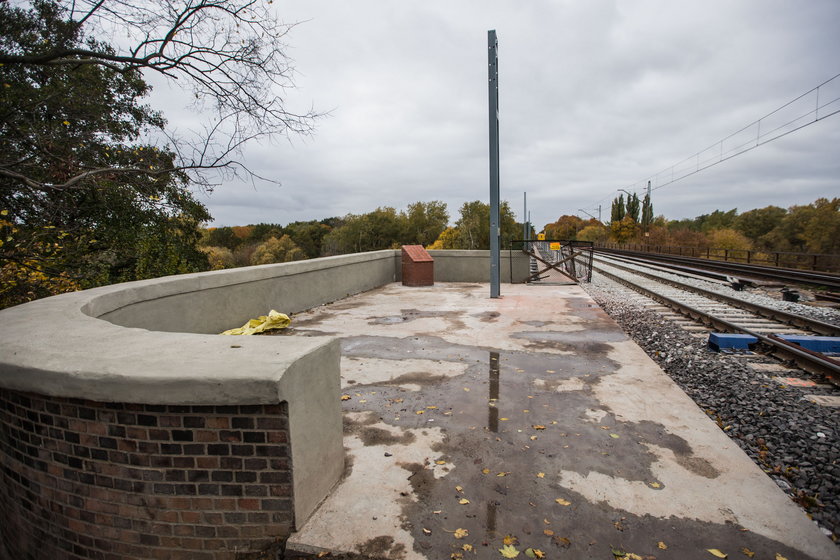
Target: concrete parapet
[[77, 372]]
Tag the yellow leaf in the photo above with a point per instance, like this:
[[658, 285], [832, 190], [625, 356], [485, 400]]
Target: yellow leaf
[[655, 485], [440, 462], [633, 556], [510, 539], [717, 553], [662, 545], [508, 551], [533, 438], [615, 436], [538, 427], [463, 501], [540, 475], [503, 474], [485, 471], [548, 532], [504, 419], [747, 552], [467, 547], [459, 489], [420, 412], [431, 407], [780, 557], [461, 533], [66, 123], [563, 502], [4, 212], [539, 553], [345, 397]]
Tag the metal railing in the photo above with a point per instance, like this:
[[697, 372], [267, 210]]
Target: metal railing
[[821, 262], [570, 258]]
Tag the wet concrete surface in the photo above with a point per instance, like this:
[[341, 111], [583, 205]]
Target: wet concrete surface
[[531, 418]]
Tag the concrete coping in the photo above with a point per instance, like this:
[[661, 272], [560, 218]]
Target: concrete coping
[[64, 346]]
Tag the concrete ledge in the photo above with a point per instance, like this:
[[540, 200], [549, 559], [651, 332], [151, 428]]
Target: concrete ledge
[[147, 343]]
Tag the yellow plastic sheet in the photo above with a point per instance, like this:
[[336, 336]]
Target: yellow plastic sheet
[[272, 321]]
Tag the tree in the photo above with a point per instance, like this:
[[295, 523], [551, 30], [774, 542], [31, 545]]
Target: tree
[[728, 238], [617, 212], [219, 257], [566, 228], [275, 250], [474, 225], [633, 207], [229, 54], [381, 229], [308, 236], [822, 232], [759, 222], [448, 239], [593, 232], [647, 213], [425, 221], [623, 230]]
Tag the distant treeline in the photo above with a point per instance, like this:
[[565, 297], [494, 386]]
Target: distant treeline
[[809, 228], [421, 223]]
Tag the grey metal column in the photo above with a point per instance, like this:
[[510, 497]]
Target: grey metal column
[[493, 89]]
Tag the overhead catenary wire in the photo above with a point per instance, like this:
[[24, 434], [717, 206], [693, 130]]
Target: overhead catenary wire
[[745, 140]]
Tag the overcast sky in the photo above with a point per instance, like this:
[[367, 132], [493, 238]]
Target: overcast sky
[[595, 96]]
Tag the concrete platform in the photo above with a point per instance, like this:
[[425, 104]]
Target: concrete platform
[[533, 417]]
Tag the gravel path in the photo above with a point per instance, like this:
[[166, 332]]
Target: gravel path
[[796, 442]]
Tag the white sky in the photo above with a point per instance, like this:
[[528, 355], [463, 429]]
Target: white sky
[[595, 96]]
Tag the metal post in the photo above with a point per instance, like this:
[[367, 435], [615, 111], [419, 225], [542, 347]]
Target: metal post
[[525, 215], [493, 91]]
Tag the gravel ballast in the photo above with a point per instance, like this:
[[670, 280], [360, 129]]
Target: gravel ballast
[[795, 441]]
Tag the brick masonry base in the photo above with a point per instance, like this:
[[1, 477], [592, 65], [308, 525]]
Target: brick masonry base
[[81, 479]]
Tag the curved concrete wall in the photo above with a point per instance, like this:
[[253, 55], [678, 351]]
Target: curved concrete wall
[[119, 406], [132, 346]]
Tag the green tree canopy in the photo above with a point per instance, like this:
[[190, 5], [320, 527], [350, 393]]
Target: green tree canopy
[[474, 225]]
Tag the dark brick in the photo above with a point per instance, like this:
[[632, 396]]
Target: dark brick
[[171, 448], [146, 420], [218, 449], [193, 422], [231, 490], [254, 437], [242, 450], [222, 476], [107, 442], [116, 431], [241, 423], [182, 435], [209, 489]]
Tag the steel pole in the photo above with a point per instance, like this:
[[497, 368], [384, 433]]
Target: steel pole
[[493, 94]]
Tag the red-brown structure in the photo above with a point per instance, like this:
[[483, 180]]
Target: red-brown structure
[[418, 266]]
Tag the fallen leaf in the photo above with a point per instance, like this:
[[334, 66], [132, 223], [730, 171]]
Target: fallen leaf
[[538, 427], [456, 556], [345, 397], [426, 532], [533, 438], [747, 552], [633, 556], [431, 407], [780, 557], [548, 532], [463, 501], [461, 533], [438, 511], [618, 553], [615, 436], [540, 475], [717, 553], [508, 551], [503, 473], [420, 412], [510, 539], [550, 371], [561, 541], [485, 471], [440, 462], [467, 547], [459, 489], [467, 389], [323, 553], [655, 485], [563, 502], [662, 545], [504, 419], [534, 553]]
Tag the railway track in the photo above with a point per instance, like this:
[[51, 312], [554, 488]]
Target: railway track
[[726, 313], [821, 280]]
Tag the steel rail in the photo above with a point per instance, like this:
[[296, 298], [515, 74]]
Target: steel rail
[[813, 325], [809, 361], [816, 279]]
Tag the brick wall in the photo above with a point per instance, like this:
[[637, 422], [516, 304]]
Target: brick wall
[[81, 479]]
